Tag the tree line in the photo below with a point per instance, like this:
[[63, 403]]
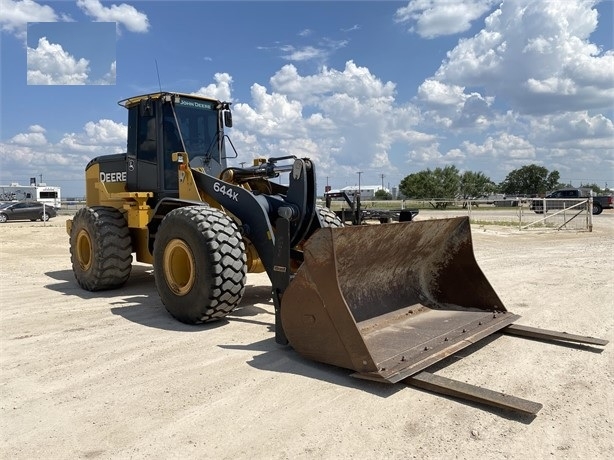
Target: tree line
[[449, 182]]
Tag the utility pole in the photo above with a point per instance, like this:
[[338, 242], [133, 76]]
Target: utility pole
[[359, 173]]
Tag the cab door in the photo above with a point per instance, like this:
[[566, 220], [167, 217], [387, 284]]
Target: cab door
[[142, 172]]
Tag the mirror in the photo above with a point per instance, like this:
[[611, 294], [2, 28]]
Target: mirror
[[228, 118]]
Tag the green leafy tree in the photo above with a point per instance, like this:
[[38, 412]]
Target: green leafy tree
[[448, 181], [440, 183], [475, 184], [382, 195], [594, 187], [530, 180], [417, 185]]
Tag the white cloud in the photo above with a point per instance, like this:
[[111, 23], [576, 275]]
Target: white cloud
[[220, 90], [434, 18], [66, 158], [536, 57], [37, 129], [108, 78], [504, 145], [49, 64], [348, 120], [345, 120], [272, 115], [548, 80], [95, 136], [14, 15], [124, 14], [318, 52], [537, 85], [352, 29], [426, 155], [111, 76], [575, 130], [34, 137], [437, 94], [103, 132], [355, 81], [449, 106], [291, 53]]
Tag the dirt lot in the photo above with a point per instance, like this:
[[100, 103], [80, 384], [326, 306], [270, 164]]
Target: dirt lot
[[112, 375]]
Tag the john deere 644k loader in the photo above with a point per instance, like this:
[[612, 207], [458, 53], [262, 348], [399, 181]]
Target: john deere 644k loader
[[386, 301]]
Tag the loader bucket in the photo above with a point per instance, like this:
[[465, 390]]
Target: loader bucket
[[389, 300]]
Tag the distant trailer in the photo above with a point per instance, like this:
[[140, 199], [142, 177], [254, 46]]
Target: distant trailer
[[42, 192]]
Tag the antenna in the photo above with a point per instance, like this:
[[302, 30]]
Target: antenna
[[158, 72]]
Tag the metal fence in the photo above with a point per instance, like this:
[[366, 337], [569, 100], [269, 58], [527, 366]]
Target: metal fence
[[534, 213], [70, 207], [526, 214], [559, 214]]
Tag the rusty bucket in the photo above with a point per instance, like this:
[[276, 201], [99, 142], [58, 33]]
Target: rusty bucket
[[389, 300]]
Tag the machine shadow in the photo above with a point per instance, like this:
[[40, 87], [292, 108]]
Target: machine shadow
[[138, 301], [283, 359]]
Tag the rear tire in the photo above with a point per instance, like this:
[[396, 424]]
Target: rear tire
[[597, 209], [199, 264], [100, 248]]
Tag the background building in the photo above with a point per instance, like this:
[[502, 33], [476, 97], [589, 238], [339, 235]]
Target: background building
[[367, 192]]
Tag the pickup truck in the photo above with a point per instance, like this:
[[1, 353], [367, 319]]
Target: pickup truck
[[567, 197]]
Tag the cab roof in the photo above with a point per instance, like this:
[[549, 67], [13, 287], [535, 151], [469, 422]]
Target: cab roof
[[131, 101]]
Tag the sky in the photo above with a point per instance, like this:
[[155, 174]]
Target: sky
[[369, 90]]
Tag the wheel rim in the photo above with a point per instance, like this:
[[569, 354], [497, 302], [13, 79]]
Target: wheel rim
[[84, 250], [179, 267], [2, 218]]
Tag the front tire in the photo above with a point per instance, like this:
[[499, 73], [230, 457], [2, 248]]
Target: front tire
[[199, 264], [597, 209], [100, 248], [329, 218]]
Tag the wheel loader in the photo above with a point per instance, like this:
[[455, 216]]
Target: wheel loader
[[386, 301]]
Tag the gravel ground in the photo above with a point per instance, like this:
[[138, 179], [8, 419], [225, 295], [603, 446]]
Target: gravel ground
[[112, 375]]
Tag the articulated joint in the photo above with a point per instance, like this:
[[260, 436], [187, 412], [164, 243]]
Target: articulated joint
[[289, 212]]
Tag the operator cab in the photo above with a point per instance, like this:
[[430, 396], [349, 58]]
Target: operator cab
[[162, 123]]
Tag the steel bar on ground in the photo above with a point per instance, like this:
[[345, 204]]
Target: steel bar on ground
[[544, 334], [450, 387]]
